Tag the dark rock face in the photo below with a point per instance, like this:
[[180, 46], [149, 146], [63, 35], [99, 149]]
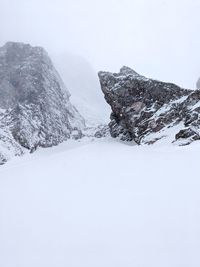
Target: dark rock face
[[34, 104], [146, 110], [102, 131]]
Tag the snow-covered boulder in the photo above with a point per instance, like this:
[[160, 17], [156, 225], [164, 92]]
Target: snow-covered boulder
[[146, 110], [35, 109]]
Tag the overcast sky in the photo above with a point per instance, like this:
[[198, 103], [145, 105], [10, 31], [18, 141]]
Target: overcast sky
[[157, 38]]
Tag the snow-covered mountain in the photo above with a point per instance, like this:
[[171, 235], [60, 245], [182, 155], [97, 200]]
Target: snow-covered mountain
[[149, 111], [82, 80], [35, 109], [95, 202]]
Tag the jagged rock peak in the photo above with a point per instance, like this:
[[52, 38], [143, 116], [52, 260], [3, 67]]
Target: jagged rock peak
[[16, 51], [146, 110], [126, 70], [20, 45], [17, 46], [34, 103]]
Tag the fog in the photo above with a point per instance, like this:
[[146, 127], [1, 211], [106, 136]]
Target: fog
[[157, 38]]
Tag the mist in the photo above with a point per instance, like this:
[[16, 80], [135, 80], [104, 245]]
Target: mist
[[157, 38], [80, 189]]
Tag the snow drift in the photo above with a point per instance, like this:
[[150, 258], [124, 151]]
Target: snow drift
[[101, 203]]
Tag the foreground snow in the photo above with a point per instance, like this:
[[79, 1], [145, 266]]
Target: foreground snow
[[101, 204]]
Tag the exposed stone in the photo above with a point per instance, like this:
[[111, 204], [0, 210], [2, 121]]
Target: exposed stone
[[102, 131], [188, 134], [145, 110], [34, 103]]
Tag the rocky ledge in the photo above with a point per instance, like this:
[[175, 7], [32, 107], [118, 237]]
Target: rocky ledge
[[147, 111]]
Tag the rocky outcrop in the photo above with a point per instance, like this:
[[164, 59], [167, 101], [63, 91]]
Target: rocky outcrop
[[146, 110], [35, 109]]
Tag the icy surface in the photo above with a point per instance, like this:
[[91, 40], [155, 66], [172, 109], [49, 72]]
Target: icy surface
[[94, 204]]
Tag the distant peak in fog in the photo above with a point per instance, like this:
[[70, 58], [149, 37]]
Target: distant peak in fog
[[82, 81]]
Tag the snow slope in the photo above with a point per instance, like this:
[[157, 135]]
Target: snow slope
[[101, 204], [83, 83]]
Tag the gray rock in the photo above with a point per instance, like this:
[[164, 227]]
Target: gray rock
[[34, 103], [146, 110], [102, 131]]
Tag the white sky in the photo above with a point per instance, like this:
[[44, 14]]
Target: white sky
[[157, 38]]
